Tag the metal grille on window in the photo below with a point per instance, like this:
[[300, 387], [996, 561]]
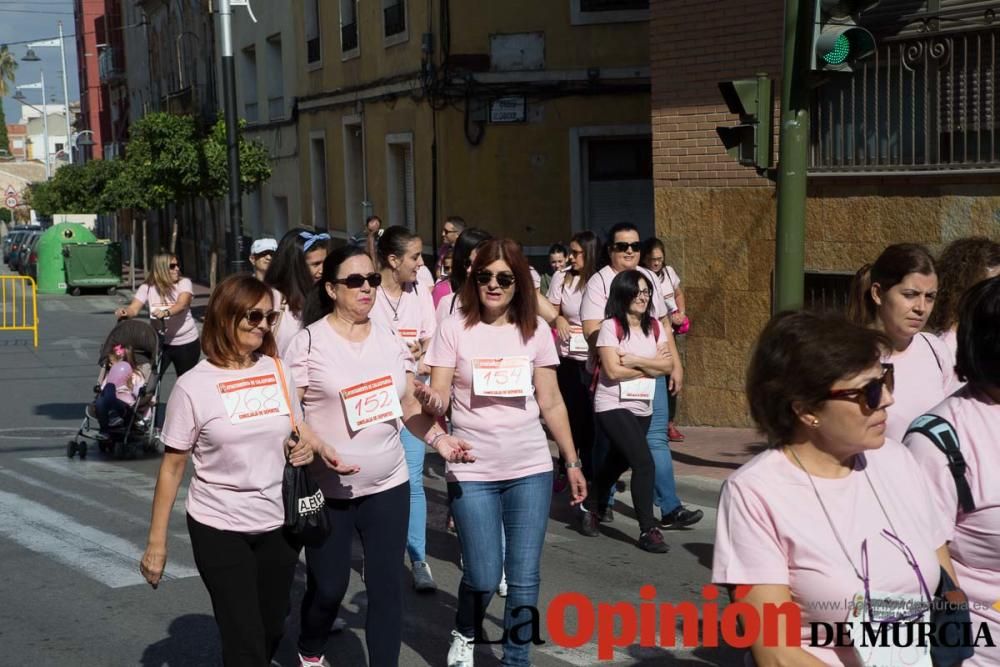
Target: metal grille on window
[[924, 102], [827, 292], [394, 16]]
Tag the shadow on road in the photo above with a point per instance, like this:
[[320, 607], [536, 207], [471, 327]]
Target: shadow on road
[[193, 640], [702, 551], [61, 410]]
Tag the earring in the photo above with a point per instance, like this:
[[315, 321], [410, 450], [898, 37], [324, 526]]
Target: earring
[[815, 423]]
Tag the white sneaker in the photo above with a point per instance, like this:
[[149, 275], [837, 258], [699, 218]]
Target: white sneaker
[[312, 662], [423, 581], [502, 588], [461, 652]]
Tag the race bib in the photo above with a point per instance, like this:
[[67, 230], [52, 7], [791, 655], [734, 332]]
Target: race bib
[[577, 343], [409, 336], [508, 377], [640, 389], [371, 402], [253, 398], [873, 641]]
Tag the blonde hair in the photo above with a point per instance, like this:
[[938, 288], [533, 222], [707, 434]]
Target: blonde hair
[[159, 277]]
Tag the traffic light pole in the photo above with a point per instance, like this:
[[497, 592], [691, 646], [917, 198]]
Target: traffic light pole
[[793, 157], [235, 245]]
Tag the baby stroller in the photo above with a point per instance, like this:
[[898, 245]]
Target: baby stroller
[[136, 430]]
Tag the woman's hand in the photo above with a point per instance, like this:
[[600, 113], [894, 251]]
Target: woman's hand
[[416, 349], [154, 561], [162, 313], [562, 328], [122, 313], [628, 360], [333, 461], [429, 399], [298, 451], [454, 450], [577, 485], [677, 318]]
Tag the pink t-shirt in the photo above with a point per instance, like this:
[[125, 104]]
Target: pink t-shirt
[[607, 394], [568, 299], [410, 315], [126, 394], [288, 326], [440, 291], [424, 278], [237, 467], [536, 277], [181, 328], [333, 364], [771, 529], [669, 282], [925, 375], [446, 307], [950, 339], [505, 433], [595, 296], [974, 537]]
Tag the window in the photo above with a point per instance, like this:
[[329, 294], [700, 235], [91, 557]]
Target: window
[[401, 195], [827, 292], [275, 79], [349, 28], [317, 162], [248, 71], [585, 12], [394, 21], [314, 50]]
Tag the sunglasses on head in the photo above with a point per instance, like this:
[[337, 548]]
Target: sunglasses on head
[[504, 278], [622, 246], [255, 316], [870, 395], [175, 265], [356, 280]]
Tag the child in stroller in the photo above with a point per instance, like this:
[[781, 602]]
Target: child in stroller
[[126, 394]]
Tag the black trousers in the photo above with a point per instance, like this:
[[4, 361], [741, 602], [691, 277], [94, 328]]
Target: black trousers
[[574, 385], [381, 521], [184, 358], [628, 448], [249, 578]]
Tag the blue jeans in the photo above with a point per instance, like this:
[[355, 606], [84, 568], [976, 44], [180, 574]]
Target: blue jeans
[[485, 512], [416, 533]]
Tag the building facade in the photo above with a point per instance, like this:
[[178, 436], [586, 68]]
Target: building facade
[[530, 119], [91, 31], [907, 148], [17, 135]]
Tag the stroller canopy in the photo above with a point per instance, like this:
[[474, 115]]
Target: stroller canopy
[[136, 334]]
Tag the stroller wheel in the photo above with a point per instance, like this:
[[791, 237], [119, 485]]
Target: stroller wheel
[[83, 450], [71, 448]]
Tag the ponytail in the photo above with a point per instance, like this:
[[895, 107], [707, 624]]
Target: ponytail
[[860, 306]]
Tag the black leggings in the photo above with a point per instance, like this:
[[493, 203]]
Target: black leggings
[[381, 521], [574, 385], [626, 434], [183, 357], [249, 578]]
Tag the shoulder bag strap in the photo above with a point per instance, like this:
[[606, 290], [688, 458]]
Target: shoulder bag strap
[[940, 431], [285, 390], [937, 360]]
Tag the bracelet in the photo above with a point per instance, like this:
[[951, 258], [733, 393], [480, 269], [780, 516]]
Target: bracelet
[[436, 438], [575, 464]]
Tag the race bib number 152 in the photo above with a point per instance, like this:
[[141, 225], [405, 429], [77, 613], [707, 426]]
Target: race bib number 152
[[371, 402]]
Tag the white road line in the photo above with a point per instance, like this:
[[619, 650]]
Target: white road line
[[101, 556], [103, 474]]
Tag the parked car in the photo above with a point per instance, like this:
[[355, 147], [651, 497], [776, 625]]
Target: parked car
[[12, 242], [21, 254], [29, 262]]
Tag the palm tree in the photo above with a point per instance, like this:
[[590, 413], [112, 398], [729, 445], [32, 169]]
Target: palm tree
[[8, 65]]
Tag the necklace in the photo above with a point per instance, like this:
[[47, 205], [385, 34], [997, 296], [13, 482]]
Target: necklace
[[395, 308]]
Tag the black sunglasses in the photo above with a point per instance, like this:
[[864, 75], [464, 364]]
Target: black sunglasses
[[255, 316], [504, 279], [870, 395], [356, 280], [621, 246], [175, 265]]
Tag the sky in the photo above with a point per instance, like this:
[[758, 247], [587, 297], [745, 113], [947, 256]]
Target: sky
[[38, 20]]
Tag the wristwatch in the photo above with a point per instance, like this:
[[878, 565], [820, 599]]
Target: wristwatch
[[575, 464]]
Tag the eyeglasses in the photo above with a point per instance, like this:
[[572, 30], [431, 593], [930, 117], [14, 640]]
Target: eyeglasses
[[644, 293], [255, 316], [621, 246], [356, 280], [504, 278], [870, 395], [575, 253], [450, 231], [916, 611], [175, 265]]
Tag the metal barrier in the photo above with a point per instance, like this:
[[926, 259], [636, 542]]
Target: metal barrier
[[15, 310]]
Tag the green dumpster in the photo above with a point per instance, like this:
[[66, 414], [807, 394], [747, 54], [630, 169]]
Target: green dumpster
[[93, 265], [51, 265]]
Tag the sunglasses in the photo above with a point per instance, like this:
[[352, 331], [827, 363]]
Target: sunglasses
[[870, 395], [621, 246], [175, 265], [255, 316], [356, 280], [504, 279]]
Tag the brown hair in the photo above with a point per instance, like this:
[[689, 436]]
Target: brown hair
[[962, 264], [159, 275], [891, 268], [797, 358], [227, 306], [523, 309]]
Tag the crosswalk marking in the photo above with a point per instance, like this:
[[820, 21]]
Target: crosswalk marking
[[106, 558], [95, 472]]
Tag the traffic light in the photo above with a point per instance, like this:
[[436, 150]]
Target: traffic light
[[752, 141], [838, 41]]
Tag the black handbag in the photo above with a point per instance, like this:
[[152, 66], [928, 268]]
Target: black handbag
[[950, 606]]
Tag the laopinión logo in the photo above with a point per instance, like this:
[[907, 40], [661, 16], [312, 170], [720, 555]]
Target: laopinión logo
[[573, 620]]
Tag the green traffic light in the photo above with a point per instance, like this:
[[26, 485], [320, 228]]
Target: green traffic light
[[841, 49]]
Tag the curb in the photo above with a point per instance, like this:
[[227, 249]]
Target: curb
[[699, 490]]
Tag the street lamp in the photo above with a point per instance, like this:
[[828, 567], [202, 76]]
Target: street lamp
[[81, 141], [32, 57], [19, 96]]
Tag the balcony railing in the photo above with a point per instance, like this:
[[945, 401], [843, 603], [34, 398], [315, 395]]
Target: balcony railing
[[394, 17], [922, 103], [348, 37], [107, 66]]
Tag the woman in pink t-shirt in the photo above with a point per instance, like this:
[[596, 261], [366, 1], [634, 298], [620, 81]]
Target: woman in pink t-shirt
[[832, 509], [355, 381], [628, 345], [462, 256], [408, 311], [494, 364], [896, 296], [232, 414], [974, 413], [961, 265], [295, 268]]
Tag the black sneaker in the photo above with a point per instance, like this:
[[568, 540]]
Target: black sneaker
[[588, 524], [652, 541], [681, 517], [607, 515]]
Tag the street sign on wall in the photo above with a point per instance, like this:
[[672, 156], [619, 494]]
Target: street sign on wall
[[508, 110]]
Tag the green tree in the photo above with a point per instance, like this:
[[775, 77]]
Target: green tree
[[8, 66], [79, 188]]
